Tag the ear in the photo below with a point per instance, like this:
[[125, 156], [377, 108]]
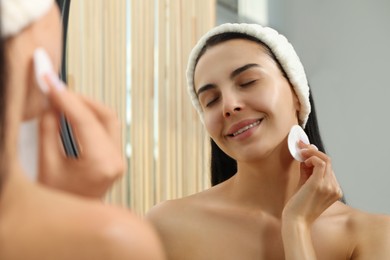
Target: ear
[[296, 103]]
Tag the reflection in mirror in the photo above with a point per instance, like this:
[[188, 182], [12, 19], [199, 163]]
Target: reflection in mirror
[[275, 207], [127, 47]]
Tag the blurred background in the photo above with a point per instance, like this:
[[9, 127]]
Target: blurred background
[[132, 56]]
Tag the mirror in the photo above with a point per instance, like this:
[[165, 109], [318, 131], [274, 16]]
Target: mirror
[[132, 55]]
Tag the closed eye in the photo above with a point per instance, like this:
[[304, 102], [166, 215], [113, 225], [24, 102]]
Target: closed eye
[[210, 103], [248, 83]]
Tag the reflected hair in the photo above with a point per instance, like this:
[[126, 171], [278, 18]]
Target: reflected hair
[[3, 94], [222, 165]]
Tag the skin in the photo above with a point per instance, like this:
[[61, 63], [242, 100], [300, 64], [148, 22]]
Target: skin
[[37, 222], [274, 207]]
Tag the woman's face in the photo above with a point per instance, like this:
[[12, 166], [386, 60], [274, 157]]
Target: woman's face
[[248, 105]]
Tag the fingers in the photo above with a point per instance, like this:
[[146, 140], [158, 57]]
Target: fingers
[[51, 153], [68, 103], [50, 143], [302, 145], [83, 112], [322, 175], [97, 130]]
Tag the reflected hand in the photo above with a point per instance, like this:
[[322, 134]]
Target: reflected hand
[[97, 132]]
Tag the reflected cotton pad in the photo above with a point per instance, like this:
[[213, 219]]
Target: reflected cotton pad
[[296, 134], [42, 66]]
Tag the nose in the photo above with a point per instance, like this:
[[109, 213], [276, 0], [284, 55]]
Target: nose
[[232, 104]]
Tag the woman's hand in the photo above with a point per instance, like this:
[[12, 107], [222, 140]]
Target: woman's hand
[[317, 187], [317, 190], [97, 130]]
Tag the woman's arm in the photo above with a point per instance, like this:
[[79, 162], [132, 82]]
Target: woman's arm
[[297, 240]]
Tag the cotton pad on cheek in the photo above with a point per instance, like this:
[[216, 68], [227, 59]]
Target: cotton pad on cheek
[[296, 134], [42, 66]]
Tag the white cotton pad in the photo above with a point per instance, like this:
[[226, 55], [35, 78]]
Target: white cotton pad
[[42, 66], [296, 134]]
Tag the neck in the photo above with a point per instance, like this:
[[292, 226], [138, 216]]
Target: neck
[[16, 185], [15, 98], [18, 67], [266, 185]]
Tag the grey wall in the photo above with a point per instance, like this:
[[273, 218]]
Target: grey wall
[[345, 48]]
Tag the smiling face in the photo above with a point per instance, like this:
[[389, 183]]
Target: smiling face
[[248, 105]]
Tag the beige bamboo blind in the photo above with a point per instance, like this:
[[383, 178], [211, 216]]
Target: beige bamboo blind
[[132, 56]]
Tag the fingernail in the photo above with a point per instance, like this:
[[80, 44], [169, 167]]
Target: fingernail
[[55, 81], [42, 85], [304, 150], [301, 144], [315, 147]]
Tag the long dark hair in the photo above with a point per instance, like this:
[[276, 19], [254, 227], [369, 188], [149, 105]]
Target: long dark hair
[[3, 94], [222, 165]]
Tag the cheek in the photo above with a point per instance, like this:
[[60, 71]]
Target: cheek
[[209, 125], [55, 49], [212, 124], [286, 108], [266, 99], [35, 104], [280, 98], [52, 39], [35, 101]]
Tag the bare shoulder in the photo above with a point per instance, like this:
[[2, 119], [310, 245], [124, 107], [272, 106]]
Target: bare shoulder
[[121, 235], [372, 233], [179, 212], [181, 223], [174, 213], [59, 226]]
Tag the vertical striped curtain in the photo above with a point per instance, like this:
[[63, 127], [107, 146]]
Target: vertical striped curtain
[[132, 55]]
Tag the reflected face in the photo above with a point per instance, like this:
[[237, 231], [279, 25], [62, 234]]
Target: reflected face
[[49, 35], [46, 33], [248, 105]]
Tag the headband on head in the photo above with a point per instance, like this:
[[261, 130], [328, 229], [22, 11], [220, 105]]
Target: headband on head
[[17, 14], [280, 47]]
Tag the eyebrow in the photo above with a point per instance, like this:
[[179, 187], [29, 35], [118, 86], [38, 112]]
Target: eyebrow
[[234, 74], [242, 69], [205, 88]]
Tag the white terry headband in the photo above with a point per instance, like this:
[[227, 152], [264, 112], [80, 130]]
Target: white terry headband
[[280, 47], [17, 14]]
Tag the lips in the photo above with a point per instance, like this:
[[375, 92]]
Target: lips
[[243, 126]]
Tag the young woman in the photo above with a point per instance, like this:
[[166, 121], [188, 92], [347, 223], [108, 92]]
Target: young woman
[[250, 88], [41, 223]]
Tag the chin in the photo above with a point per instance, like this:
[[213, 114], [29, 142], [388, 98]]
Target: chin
[[254, 153]]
